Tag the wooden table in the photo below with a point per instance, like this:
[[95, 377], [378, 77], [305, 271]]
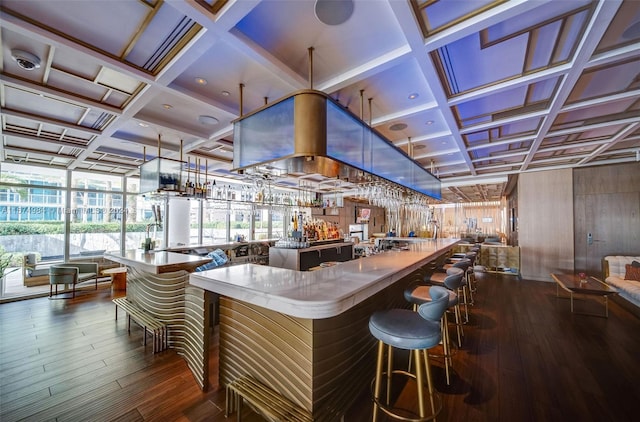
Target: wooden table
[[118, 278], [589, 286]]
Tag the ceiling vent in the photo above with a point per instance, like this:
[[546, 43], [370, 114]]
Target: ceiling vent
[[25, 60]]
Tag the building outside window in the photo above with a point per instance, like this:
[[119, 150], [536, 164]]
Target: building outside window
[[32, 217], [95, 213], [214, 224]]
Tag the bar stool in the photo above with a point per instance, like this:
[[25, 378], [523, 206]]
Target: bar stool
[[454, 284], [413, 331], [437, 277], [418, 294], [463, 264], [470, 276], [473, 286]]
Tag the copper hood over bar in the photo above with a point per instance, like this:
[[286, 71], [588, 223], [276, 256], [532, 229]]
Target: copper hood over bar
[[308, 132]]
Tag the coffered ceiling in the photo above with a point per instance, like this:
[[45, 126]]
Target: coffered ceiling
[[474, 90]]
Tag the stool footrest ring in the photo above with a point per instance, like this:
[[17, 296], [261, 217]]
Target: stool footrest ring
[[393, 411]]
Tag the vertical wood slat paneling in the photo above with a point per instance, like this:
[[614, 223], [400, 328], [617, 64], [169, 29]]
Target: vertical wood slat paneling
[[607, 205], [545, 223]]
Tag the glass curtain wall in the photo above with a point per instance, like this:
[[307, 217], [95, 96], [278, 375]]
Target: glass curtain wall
[[215, 222], [51, 215], [96, 214], [475, 220], [33, 206], [240, 221]]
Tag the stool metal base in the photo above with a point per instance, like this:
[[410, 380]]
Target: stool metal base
[[398, 412], [382, 399]]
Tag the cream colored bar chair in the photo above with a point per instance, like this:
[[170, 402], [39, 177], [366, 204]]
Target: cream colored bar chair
[[420, 294], [416, 332]]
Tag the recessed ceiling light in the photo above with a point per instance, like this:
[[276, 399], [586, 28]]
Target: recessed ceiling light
[[398, 126], [444, 142], [143, 124], [413, 96], [207, 120], [225, 93], [201, 81], [429, 122], [167, 106]]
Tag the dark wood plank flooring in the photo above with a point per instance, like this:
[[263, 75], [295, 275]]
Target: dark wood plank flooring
[[524, 358]]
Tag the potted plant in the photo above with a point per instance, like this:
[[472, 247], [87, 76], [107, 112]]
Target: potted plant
[[5, 261]]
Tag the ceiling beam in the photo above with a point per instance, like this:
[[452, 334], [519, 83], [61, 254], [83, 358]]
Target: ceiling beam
[[603, 14]]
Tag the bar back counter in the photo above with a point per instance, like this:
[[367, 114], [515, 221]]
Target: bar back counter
[[305, 334]]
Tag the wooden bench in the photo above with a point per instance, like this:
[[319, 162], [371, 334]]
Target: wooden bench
[[147, 321], [268, 403]]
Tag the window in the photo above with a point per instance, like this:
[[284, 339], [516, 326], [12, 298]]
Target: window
[[96, 214], [214, 222], [96, 181]]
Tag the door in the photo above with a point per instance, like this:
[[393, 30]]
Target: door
[[605, 224]]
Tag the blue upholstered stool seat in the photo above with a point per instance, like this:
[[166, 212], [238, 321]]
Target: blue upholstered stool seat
[[437, 278], [463, 263], [416, 331], [420, 294], [404, 329]]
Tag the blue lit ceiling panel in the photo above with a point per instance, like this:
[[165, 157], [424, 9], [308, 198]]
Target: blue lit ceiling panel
[[532, 43]]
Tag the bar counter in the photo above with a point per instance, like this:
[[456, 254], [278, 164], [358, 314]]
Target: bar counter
[[157, 262], [319, 294], [305, 334]]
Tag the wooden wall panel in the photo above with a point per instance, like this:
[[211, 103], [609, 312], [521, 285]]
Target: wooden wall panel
[[607, 205], [545, 223], [617, 178]]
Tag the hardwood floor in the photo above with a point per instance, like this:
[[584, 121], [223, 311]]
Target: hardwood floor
[[525, 357]]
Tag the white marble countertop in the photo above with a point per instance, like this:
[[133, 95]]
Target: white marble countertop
[[157, 262], [323, 293]]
